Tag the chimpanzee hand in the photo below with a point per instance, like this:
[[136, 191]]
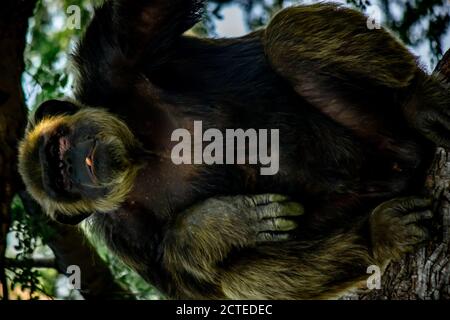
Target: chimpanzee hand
[[429, 111], [250, 219], [204, 235], [396, 229], [435, 125], [269, 216]]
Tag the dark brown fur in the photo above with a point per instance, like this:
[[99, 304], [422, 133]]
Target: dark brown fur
[[350, 106]]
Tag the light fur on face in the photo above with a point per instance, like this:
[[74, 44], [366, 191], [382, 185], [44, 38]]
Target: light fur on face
[[112, 131]]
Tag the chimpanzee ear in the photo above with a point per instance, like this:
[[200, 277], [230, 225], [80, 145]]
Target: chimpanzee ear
[[53, 108], [70, 219]]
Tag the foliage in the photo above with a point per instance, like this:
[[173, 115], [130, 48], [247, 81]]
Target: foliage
[[421, 21], [122, 273], [49, 41], [30, 232]]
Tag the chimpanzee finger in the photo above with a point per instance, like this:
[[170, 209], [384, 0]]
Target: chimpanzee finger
[[273, 237], [263, 199], [441, 131], [276, 209], [409, 204], [276, 225], [417, 216]]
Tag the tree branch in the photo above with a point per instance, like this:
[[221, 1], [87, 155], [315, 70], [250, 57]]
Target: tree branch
[[34, 263]]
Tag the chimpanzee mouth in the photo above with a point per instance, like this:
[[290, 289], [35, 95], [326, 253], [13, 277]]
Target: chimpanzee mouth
[[56, 171]]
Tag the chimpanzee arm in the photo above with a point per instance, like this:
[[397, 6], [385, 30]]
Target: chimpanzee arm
[[361, 77], [206, 234], [334, 40], [123, 32], [215, 252]]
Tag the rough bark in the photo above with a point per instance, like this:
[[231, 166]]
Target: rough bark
[[425, 274]]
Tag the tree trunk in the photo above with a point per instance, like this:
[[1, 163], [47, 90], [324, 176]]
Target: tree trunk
[[425, 274], [13, 27]]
